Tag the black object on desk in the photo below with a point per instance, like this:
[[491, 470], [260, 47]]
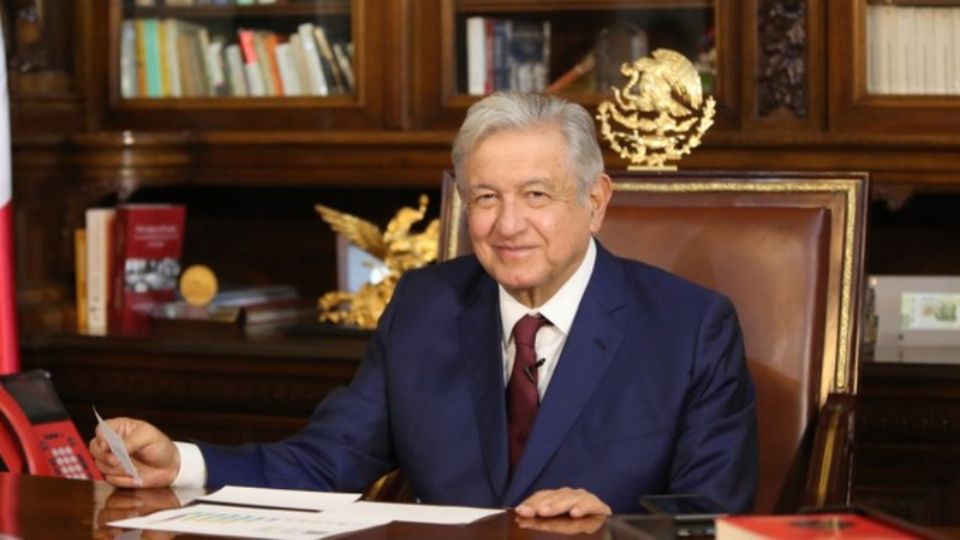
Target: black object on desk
[[693, 514]]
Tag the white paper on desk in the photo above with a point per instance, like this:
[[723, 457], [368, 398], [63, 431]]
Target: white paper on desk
[[419, 513], [117, 447], [280, 498], [242, 522]]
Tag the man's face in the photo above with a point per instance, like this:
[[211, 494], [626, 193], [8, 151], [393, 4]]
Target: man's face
[[527, 228]]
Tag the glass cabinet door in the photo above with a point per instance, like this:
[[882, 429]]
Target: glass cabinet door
[[897, 67], [246, 56], [573, 48], [192, 49]]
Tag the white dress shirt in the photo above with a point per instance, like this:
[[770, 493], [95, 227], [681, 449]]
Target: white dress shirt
[[560, 310]]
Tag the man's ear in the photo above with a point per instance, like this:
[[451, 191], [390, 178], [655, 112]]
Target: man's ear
[[598, 199]]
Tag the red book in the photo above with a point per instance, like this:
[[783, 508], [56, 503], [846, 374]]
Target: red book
[[807, 527], [148, 244]]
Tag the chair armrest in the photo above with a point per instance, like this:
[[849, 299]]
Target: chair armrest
[[391, 487], [831, 459]]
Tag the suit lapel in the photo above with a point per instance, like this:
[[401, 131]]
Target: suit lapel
[[480, 342], [590, 348]]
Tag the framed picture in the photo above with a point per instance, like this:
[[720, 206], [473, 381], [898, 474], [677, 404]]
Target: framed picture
[[917, 316], [356, 267]]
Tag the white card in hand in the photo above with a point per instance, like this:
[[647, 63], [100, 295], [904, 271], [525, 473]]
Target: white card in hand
[[117, 447]]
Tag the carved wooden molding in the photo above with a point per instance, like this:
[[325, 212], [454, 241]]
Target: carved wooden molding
[[782, 81]]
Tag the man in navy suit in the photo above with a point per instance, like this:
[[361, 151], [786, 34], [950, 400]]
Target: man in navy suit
[[542, 373]]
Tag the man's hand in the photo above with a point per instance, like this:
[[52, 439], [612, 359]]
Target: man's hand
[[153, 453], [563, 525], [556, 502]]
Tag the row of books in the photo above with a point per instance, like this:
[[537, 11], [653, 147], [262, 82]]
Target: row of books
[[913, 49], [127, 262], [244, 312], [506, 54], [177, 3], [163, 58]]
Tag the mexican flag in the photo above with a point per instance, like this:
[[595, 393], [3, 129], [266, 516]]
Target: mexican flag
[[9, 347]]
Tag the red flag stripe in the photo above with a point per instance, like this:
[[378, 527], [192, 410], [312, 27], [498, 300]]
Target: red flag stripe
[[9, 349]]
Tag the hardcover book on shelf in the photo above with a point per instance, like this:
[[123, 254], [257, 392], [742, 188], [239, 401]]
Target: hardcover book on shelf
[[343, 53], [830, 526], [148, 243], [99, 226], [235, 313], [80, 269]]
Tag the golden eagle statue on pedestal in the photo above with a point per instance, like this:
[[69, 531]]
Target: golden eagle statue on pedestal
[[398, 248], [660, 114]]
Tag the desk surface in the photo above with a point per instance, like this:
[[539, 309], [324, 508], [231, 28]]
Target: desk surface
[[38, 507]]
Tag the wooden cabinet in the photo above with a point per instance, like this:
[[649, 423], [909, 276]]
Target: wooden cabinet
[[790, 78], [225, 392], [907, 50], [908, 440]]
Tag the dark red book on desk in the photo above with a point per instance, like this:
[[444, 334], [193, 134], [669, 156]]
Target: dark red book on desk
[[833, 526], [148, 244]]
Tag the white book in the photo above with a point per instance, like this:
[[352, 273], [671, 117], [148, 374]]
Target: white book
[[929, 72], [129, 86], [255, 84], [99, 225], [898, 65], [318, 83], [911, 51], [955, 51], [288, 70], [889, 36], [172, 30], [476, 56], [941, 45], [215, 72], [235, 75], [300, 63]]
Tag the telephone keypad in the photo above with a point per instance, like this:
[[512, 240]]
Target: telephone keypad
[[67, 463]]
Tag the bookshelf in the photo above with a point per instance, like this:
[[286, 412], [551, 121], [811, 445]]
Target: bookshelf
[[487, 45], [193, 65]]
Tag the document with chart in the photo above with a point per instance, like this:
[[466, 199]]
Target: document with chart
[[242, 522]]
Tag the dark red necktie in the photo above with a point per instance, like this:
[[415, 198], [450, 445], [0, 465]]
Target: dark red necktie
[[522, 397]]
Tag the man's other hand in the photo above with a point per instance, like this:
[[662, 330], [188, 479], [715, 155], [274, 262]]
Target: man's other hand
[[153, 454], [564, 501]]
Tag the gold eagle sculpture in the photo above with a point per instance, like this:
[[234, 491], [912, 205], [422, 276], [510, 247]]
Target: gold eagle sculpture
[[660, 114], [397, 246]]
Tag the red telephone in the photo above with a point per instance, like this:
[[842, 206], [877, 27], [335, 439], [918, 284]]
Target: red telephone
[[36, 434]]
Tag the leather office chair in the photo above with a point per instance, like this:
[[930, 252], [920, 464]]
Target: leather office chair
[[787, 250]]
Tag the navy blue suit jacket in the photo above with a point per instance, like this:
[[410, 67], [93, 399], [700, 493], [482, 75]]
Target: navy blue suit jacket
[[651, 395]]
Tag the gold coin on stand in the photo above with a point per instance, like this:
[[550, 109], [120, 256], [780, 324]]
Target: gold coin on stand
[[198, 285]]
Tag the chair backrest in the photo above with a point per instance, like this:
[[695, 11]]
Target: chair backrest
[[787, 250]]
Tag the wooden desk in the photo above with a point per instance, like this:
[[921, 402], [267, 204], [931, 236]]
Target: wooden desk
[[37, 507]]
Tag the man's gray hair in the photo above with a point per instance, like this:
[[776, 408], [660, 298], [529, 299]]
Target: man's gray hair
[[503, 111]]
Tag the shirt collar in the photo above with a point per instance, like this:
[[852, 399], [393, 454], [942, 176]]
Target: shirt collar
[[561, 308]]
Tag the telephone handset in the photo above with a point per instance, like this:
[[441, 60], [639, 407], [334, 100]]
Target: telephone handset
[[36, 434]]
